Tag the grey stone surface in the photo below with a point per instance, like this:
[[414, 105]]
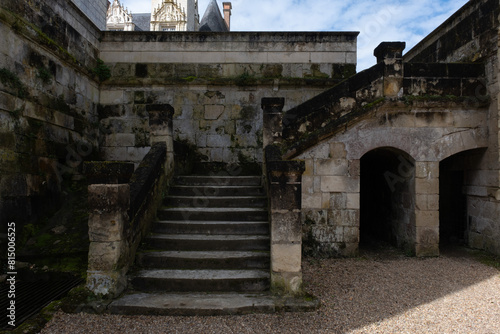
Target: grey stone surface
[[207, 304]]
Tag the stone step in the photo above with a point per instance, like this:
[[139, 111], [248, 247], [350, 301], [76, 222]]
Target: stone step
[[201, 280], [207, 304], [197, 180], [190, 304], [183, 190], [204, 260], [216, 201], [211, 227], [198, 242], [213, 214]]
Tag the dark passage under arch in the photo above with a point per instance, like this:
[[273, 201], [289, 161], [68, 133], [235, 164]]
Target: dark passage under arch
[[387, 198]]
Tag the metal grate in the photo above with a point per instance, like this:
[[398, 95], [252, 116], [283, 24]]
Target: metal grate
[[31, 297]]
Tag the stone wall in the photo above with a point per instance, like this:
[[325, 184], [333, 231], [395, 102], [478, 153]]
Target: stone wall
[[471, 35], [48, 104], [214, 82], [95, 10]]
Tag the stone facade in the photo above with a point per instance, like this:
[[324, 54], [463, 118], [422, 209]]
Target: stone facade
[[215, 83], [387, 153], [170, 15], [119, 18], [422, 122]]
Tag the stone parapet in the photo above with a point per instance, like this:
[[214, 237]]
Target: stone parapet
[[120, 216]]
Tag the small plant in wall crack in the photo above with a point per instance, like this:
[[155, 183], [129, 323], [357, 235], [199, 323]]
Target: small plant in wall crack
[[102, 71], [44, 75], [11, 80]]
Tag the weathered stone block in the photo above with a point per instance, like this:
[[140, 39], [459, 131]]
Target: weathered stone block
[[214, 111], [354, 168], [427, 186], [310, 216], [331, 167], [426, 218], [286, 257], [337, 150], [111, 97], [120, 139], [218, 140], [427, 235], [352, 201], [106, 283], [107, 226], [424, 170], [338, 201], [286, 227], [285, 196], [476, 240], [339, 184], [312, 201], [107, 256], [108, 198], [286, 283], [351, 235]]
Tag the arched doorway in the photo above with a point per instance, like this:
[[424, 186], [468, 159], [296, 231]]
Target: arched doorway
[[456, 182], [387, 199]]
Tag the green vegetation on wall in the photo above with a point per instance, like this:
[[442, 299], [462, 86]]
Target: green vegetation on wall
[[11, 80]]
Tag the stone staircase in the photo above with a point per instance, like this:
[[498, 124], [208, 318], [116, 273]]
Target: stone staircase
[[208, 253]]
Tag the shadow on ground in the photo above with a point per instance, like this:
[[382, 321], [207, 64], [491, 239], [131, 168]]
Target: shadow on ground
[[355, 293]]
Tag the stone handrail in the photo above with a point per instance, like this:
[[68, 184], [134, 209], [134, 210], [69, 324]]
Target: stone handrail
[[120, 215], [391, 79]]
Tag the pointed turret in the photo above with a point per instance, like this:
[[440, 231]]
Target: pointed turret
[[212, 19]]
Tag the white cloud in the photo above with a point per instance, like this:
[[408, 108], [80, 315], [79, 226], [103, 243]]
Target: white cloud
[[376, 20]]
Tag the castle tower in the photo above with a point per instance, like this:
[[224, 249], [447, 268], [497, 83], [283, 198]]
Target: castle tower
[[174, 15]]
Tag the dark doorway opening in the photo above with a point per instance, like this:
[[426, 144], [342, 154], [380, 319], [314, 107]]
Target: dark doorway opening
[[387, 199], [452, 202]]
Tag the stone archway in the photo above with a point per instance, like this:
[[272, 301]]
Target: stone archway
[[455, 187], [387, 198]]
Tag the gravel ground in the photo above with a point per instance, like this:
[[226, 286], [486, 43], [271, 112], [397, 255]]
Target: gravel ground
[[379, 292]]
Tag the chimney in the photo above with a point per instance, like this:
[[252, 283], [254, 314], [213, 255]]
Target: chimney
[[227, 14]]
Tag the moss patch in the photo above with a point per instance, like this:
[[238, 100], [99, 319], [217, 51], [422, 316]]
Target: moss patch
[[60, 243], [11, 80]]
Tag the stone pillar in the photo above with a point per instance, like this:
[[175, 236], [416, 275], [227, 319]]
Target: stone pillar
[[427, 208], [391, 54], [284, 184], [273, 120], [108, 251], [161, 130]]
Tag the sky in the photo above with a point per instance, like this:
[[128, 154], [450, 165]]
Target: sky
[[376, 20]]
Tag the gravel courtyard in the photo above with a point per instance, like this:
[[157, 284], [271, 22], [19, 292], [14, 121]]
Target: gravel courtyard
[[378, 292]]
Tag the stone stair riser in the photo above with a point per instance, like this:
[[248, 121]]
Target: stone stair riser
[[216, 202], [207, 245], [200, 285], [227, 215], [218, 181], [257, 228], [257, 262], [215, 191]]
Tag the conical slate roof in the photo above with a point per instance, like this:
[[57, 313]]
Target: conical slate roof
[[212, 19]]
